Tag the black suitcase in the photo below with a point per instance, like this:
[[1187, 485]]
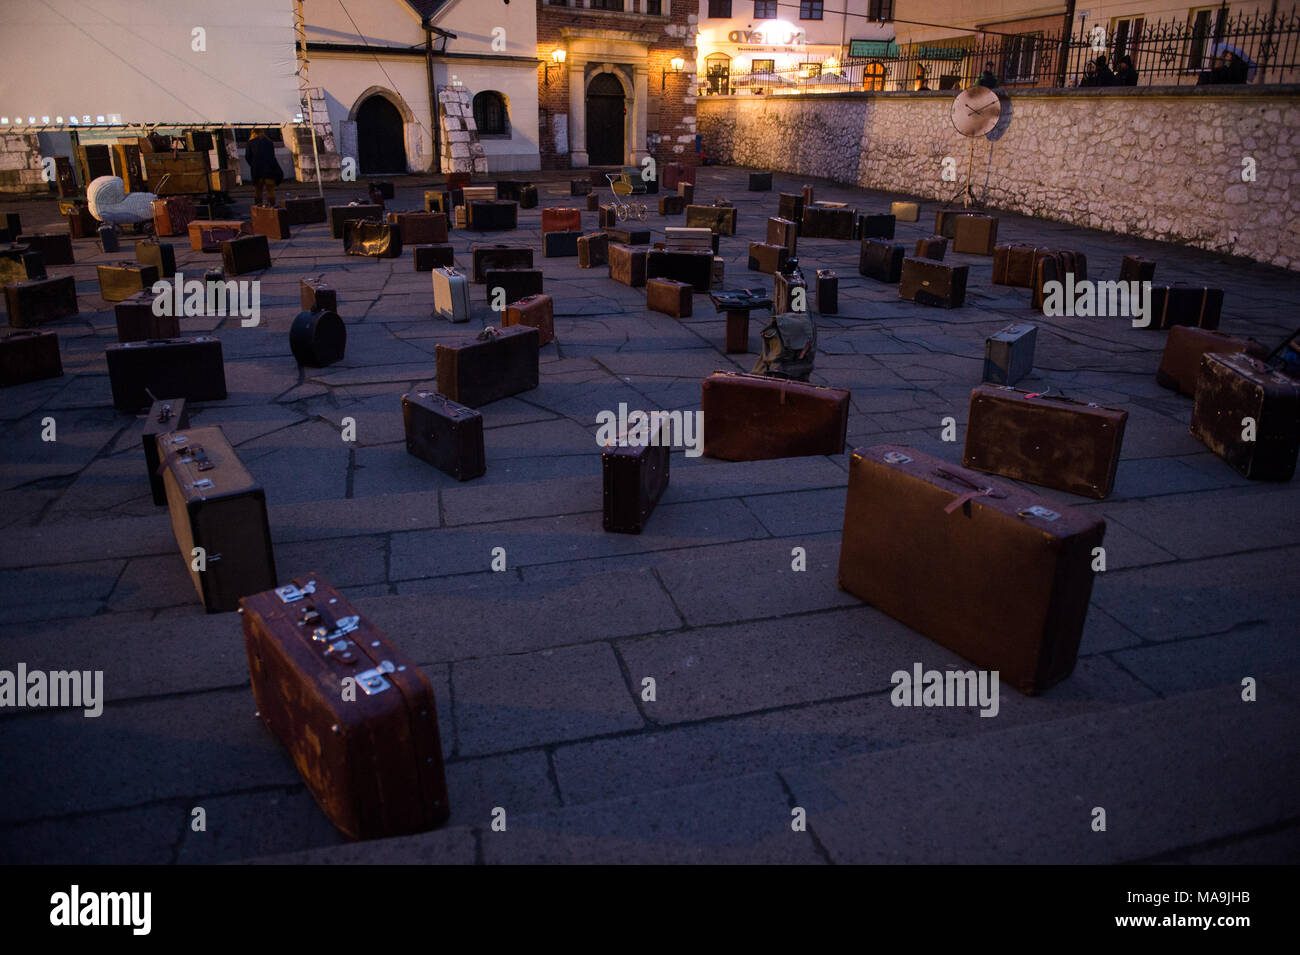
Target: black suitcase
[[55, 247], [37, 301], [29, 356], [342, 214], [560, 244], [633, 481], [629, 236], [493, 215], [528, 197], [248, 253], [518, 283], [495, 364], [875, 227], [189, 368], [790, 208], [927, 282], [161, 255], [828, 292], [430, 257], [305, 211], [760, 182], [121, 280], [593, 250], [318, 339], [693, 266], [881, 260], [444, 433], [484, 257], [165, 415]]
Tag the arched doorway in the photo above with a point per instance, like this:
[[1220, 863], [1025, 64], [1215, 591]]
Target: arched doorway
[[380, 148], [606, 120]]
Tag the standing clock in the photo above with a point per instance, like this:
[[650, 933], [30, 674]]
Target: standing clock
[[975, 112]]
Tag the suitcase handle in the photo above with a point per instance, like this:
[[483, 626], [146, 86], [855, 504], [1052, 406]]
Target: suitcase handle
[[974, 492]]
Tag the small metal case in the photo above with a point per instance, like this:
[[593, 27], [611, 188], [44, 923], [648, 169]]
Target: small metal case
[[1009, 354]]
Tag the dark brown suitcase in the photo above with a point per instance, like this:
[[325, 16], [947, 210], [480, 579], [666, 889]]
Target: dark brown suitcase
[[1016, 569], [932, 247], [1056, 265], [484, 257], [720, 219], [790, 208], [881, 260], [593, 202], [271, 222], [249, 253], [629, 236], [190, 368], [493, 215], [561, 220], [420, 228], [1053, 442], [444, 433], [627, 265], [165, 415], [932, 283], [342, 214], [669, 297], [218, 508], [605, 218], [579, 187], [783, 232], [493, 365], [430, 257], [517, 283], [760, 182], [355, 714], [1233, 388], [1013, 265], [306, 211], [37, 301], [684, 189], [671, 205], [1180, 365], [634, 478], [766, 258], [18, 263], [692, 266], [172, 215], [789, 292], [828, 292], [1134, 268], [975, 234], [945, 221], [137, 321], [370, 237], [756, 418], [1185, 305], [206, 235], [316, 294], [528, 198], [29, 356], [81, 224], [560, 244], [822, 222], [535, 311], [121, 280], [55, 247], [874, 226], [593, 250], [161, 255]]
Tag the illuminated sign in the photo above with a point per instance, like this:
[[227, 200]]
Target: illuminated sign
[[788, 36]]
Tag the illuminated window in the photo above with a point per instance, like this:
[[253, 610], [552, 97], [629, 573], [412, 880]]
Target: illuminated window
[[763, 66]]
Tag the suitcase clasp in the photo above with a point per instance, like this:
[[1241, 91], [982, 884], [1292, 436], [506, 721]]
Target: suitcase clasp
[[1039, 511], [372, 681], [291, 592], [896, 457]]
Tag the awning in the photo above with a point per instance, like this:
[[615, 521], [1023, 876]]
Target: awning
[[873, 49]]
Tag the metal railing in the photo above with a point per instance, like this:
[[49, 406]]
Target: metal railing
[[1212, 47]]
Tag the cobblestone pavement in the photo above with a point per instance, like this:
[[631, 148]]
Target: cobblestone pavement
[[772, 685]]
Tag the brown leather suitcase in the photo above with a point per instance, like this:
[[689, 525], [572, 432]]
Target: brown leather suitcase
[[593, 202], [756, 418], [1055, 265], [1013, 264], [783, 232], [1054, 442], [305, 210], [669, 297], [198, 226], [633, 480], [807, 194], [932, 247], [627, 264], [339, 215], [720, 219], [784, 297], [605, 218], [37, 301], [165, 415], [535, 311], [136, 321], [81, 224], [828, 292], [1232, 388], [317, 295], [172, 215], [874, 226], [1190, 305], [629, 236], [355, 714], [927, 282], [484, 257], [248, 253], [429, 257], [823, 222], [121, 280], [495, 364], [30, 355], [881, 260], [55, 247], [1180, 365], [517, 283], [593, 250], [983, 567], [210, 239], [766, 258], [790, 208], [217, 507], [905, 211], [693, 266], [579, 187], [975, 234], [685, 189], [945, 221], [420, 228], [561, 220], [671, 205], [271, 222], [161, 255], [1134, 268], [444, 433]]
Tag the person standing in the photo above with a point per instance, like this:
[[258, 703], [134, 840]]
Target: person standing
[[1125, 74], [988, 77], [1104, 75], [262, 167]]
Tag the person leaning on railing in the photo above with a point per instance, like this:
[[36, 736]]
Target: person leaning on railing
[[1125, 74]]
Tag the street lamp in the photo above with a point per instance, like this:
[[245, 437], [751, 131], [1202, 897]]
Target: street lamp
[[677, 64], [558, 55]]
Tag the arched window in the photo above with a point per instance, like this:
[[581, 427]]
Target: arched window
[[490, 114]]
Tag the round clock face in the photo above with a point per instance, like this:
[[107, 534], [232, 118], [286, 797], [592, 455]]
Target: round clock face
[[976, 111]]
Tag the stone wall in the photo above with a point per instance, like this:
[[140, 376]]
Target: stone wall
[[461, 149], [1208, 167], [20, 164]]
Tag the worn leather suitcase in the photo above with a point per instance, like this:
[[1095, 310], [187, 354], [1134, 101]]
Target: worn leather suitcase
[[975, 234], [1180, 365], [37, 301], [1016, 569], [18, 263], [783, 232], [560, 244], [190, 368], [136, 321], [605, 218], [198, 227], [756, 418], [1234, 387], [528, 198], [1054, 442], [1185, 305], [671, 205], [669, 296], [210, 239], [1009, 354], [165, 415], [828, 292], [686, 190], [372, 238], [108, 239], [484, 257], [932, 283], [629, 236], [517, 283], [172, 215], [451, 295], [945, 221], [509, 189], [535, 311], [720, 219], [932, 247], [420, 228], [495, 364], [339, 215], [681, 237], [881, 260], [627, 265], [1013, 264], [692, 266], [81, 224], [674, 173], [161, 255], [430, 257], [249, 253], [371, 758], [593, 250], [807, 193], [784, 297], [874, 227], [579, 187], [765, 258], [318, 339], [121, 280], [444, 433], [790, 208], [493, 215], [593, 203], [1134, 268], [271, 222], [760, 182], [306, 210], [437, 200], [561, 220], [634, 478], [822, 222], [905, 211], [385, 189], [29, 355], [55, 247], [1055, 265], [216, 505], [316, 294]]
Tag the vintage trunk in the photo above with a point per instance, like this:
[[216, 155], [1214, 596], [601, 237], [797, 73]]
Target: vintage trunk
[[371, 238], [629, 236], [493, 365], [755, 418], [881, 260], [444, 433], [342, 214], [37, 301], [318, 339], [165, 415], [271, 222], [484, 257], [517, 283], [1013, 265], [671, 205], [189, 368], [420, 228], [633, 481], [627, 265], [994, 573], [317, 294], [828, 292], [426, 258], [534, 311], [1054, 442], [932, 283], [137, 321], [306, 210], [561, 220], [29, 356], [871, 226], [55, 247], [1185, 305], [1248, 414], [1180, 365], [161, 255], [669, 297], [593, 250], [1009, 354], [905, 211], [1134, 268], [560, 244], [932, 247], [172, 215], [783, 232], [975, 234], [121, 280], [451, 295], [719, 219], [821, 222], [372, 758], [493, 215], [198, 226], [765, 258], [790, 208]]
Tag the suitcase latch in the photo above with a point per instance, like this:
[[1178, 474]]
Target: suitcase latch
[[291, 592], [203, 484], [1039, 511], [372, 681], [897, 457]]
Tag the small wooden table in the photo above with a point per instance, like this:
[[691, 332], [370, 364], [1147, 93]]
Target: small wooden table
[[738, 303]]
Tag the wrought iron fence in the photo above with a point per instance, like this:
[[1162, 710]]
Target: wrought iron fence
[[1212, 46]]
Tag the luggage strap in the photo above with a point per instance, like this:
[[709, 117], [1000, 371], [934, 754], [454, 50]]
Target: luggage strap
[[974, 492]]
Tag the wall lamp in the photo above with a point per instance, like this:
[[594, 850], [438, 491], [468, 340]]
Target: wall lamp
[[558, 55], [677, 63]]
